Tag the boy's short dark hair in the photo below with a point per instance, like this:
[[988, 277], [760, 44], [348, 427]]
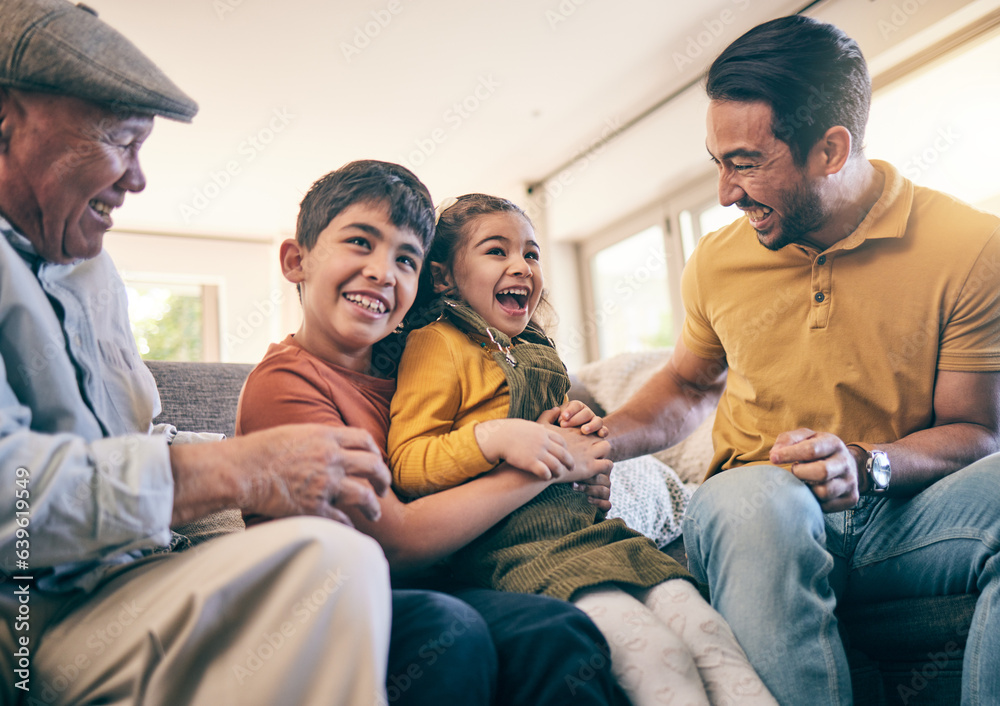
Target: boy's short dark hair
[[367, 181], [811, 74]]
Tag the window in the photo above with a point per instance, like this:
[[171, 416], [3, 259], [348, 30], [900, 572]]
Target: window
[[174, 320], [937, 124], [711, 216], [632, 294]]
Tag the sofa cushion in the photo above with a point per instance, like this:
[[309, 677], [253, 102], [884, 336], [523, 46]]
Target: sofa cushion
[[611, 382], [199, 396]]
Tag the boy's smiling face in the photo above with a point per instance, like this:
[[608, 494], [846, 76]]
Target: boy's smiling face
[[357, 283]]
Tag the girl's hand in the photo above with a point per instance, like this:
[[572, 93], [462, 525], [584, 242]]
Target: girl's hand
[[576, 414], [532, 447]]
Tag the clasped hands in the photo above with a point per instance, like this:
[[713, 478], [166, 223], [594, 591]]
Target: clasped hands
[[824, 463]]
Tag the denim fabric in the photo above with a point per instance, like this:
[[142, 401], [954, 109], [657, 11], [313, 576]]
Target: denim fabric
[[549, 652], [440, 652], [777, 566]]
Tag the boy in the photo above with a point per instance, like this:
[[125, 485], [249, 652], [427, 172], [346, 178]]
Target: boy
[[360, 241]]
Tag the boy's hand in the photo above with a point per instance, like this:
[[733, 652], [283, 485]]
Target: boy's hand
[[530, 446], [576, 414]]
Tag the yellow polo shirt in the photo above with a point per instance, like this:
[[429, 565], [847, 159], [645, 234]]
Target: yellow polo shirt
[[848, 340]]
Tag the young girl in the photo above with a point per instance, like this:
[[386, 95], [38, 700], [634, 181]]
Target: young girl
[[469, 385]]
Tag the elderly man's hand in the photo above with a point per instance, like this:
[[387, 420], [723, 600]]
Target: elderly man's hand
[[313, 469], [824, 463], [300, 469]]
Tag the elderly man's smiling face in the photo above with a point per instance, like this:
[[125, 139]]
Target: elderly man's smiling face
[[65, 164]]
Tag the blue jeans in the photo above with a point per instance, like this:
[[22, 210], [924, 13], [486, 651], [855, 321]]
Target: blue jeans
[[480, 647], [777, 566]]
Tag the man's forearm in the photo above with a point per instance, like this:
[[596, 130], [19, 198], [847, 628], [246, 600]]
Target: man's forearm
[[204, 480], [664, 412], [924, 457]]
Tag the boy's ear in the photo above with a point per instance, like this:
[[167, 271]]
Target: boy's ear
[[441, 277], [292, 254]]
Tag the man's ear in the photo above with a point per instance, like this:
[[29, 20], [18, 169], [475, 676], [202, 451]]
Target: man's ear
[[441, 277], [292, 255], [831, 152]]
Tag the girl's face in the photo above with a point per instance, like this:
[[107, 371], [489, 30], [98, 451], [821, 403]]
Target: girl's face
[[496, 270]]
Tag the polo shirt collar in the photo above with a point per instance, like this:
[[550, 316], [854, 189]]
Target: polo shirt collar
[[889, 216]]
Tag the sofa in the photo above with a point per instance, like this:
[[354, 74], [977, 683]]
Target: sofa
[[901, 652]]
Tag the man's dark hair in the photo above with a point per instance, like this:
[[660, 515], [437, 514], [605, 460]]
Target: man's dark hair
[[371, 182], [811, 74]]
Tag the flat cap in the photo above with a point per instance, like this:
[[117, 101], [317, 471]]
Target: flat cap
[[55, 46]]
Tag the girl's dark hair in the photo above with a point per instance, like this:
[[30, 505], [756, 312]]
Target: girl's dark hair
[[451, 230], [367, 181], [811, 74]]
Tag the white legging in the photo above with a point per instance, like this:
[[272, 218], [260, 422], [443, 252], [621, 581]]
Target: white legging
[[668, 646]]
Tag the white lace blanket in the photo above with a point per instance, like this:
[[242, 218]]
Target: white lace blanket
[[649, 493]]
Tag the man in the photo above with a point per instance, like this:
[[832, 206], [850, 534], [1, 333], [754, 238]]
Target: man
[[93, 608], [850, 325]]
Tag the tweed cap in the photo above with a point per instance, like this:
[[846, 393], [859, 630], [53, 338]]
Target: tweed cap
[[55, 46]]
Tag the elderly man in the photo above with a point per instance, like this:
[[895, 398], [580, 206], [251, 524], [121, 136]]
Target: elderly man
[[851, 428], [295, 611]]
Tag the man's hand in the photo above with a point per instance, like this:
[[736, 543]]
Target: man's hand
[[299, 469], [313, 469], [591, 473], [597, 489], [824, 463]]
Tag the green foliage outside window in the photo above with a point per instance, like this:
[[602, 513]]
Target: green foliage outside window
[[166, 321]]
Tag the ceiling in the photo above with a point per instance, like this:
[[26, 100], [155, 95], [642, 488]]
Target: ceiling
[[473, 95]]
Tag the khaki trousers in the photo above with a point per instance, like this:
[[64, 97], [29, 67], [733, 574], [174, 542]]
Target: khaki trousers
[[295, 611]]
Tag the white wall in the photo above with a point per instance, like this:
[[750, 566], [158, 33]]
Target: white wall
[[257, 306]]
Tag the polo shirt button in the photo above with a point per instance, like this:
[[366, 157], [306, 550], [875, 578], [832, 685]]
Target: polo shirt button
[[819, 296], [821, 260]]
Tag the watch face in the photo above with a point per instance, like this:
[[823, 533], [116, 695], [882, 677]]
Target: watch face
[[880, 469]]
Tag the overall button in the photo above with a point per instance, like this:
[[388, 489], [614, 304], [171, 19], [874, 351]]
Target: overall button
[[821, 260], [819, 296]]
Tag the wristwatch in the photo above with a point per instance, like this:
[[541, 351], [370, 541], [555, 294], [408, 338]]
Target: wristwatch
[[879, 471]]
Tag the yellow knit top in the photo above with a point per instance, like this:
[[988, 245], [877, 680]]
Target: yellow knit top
[[445, 387]]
